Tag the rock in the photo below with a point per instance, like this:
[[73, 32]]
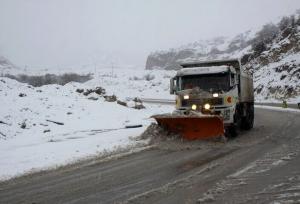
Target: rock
[[112, 98], [22, 95], [131, 104], [121, 103], [138, 100], [93, 98], [23, 125], [79, 90], [99, 90], [42, 124], [283, 77], [139, 106], [87, 92]]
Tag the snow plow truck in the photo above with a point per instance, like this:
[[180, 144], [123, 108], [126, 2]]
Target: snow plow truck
[[213, 98]]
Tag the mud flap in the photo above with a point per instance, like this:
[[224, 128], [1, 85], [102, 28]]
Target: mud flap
[[192, 127]]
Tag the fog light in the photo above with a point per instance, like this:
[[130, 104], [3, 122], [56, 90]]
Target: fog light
[[194, 107], [226, 115], [207, 106], [215, 95], [186, 97]]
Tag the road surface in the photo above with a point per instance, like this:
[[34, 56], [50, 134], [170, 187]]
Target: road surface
[[259, 166]]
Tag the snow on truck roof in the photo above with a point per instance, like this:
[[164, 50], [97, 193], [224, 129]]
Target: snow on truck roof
[[203, 70], [233, 62]]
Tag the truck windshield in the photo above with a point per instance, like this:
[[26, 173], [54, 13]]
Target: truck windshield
[[206, 82]]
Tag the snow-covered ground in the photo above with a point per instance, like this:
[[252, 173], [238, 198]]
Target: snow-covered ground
[[29, 141]]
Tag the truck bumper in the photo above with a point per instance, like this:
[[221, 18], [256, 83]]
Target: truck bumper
[[226, 112]]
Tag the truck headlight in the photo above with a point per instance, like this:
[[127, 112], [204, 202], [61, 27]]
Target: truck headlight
[[215, 95], [186, 97], [206, 106], [194, 107]]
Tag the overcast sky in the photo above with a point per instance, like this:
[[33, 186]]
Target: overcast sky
[[60, 33]]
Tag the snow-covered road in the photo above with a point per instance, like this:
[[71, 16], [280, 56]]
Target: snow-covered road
[[259, 166]]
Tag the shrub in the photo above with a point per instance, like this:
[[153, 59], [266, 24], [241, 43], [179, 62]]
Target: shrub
[[149, 77], [37, 81]]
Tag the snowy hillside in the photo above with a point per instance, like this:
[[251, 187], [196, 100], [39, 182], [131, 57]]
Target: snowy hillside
[[272, 54], [216, 48], [275, 61], [42, 127]]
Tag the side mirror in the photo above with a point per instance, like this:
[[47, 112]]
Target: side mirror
[[172, 86], [233, 80]]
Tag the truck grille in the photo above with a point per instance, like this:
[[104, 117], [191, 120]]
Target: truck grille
[[211, 101]]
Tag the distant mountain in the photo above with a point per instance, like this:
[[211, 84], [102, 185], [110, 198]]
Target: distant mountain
[[5, 65], [272, 54]]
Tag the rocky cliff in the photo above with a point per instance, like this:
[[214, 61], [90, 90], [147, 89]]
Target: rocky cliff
[[272, 54]]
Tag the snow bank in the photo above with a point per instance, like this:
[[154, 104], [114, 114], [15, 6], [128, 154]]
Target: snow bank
[[278, 108], [31, 141]]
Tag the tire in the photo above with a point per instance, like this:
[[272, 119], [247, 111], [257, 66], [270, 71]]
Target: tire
[[247, 122], [232, 130]]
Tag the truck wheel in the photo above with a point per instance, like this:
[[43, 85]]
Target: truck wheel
[[247, 122], [231, 131]]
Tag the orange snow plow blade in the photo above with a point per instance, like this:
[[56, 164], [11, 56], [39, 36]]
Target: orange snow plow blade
[[192, 127]]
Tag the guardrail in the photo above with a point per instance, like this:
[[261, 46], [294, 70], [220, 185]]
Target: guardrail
[[160, 101], [289, 105]]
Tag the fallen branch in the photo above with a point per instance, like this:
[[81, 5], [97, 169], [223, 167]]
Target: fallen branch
[[57, 123], [2, 134], [2, 122]]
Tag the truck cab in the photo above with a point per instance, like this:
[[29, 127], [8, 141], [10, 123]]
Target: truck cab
[[216, 88]]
